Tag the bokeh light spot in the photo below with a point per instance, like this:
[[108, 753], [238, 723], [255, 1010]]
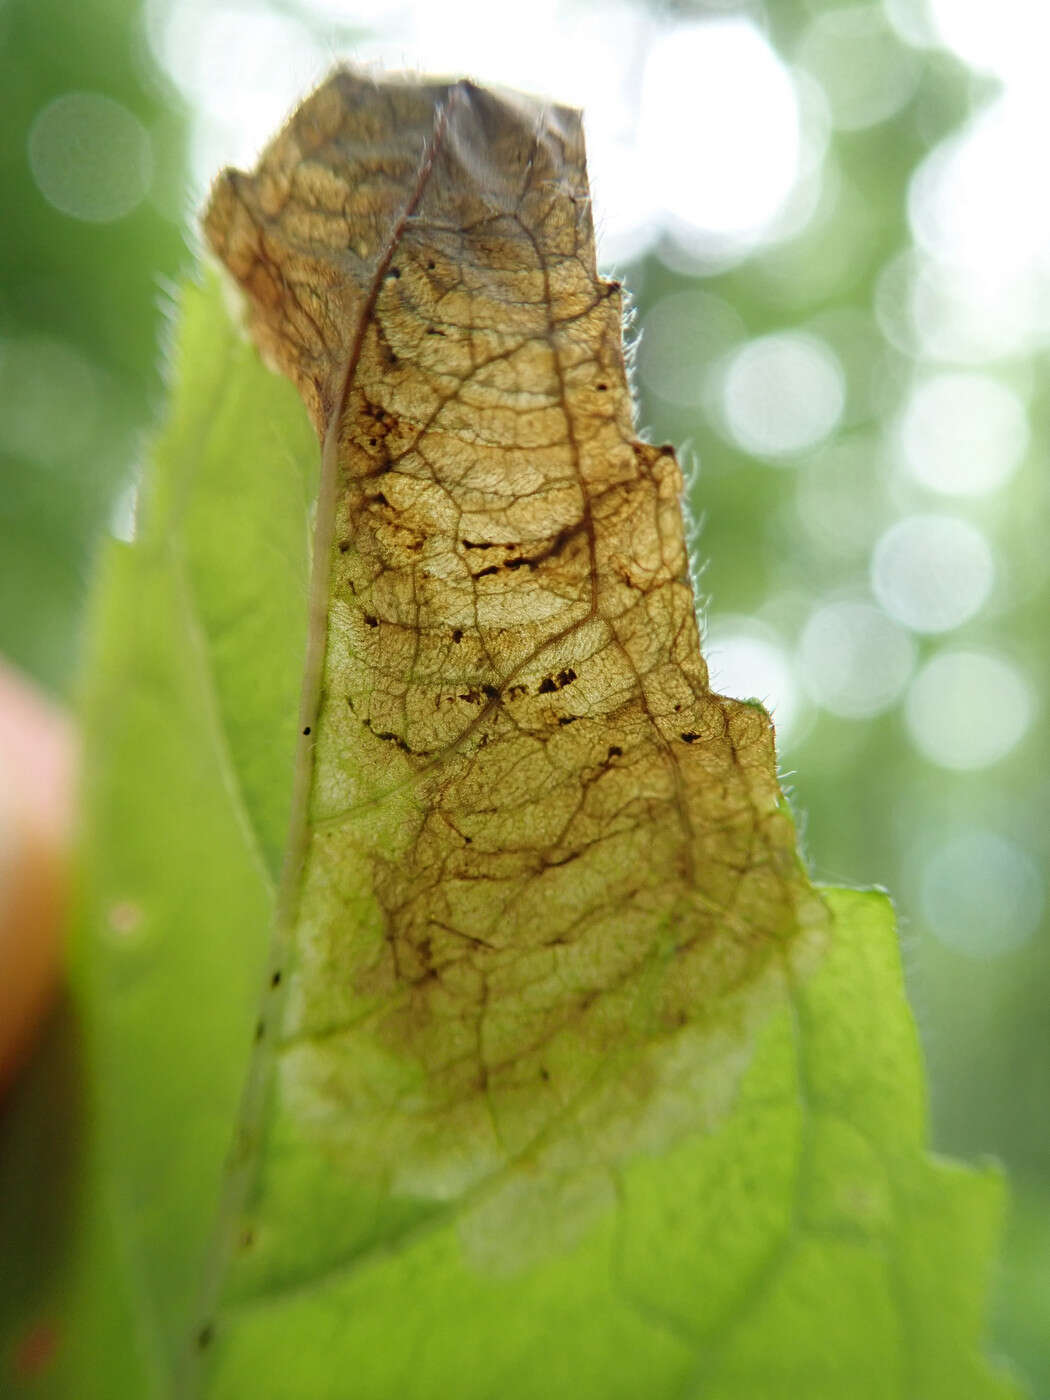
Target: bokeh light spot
[[964, 433], [682, 336], [981, 894], [932, 572], [863, 68], [981, 217], [911, 20], [782, 393], [854, 660], [90, 157], [968, 709], [973, 201], [1009, 38], [719, 126]]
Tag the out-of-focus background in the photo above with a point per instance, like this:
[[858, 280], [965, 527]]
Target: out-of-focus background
[[834, 221]]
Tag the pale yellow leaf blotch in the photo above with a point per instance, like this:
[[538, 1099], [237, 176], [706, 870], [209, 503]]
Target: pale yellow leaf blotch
[[542, 874]]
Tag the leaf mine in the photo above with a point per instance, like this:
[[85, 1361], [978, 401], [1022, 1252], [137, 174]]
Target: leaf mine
[[539, 859]]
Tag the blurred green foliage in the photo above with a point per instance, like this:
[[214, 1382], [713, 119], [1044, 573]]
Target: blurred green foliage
[[82, 307]]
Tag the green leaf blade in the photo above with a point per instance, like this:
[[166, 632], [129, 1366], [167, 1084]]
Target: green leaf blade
[[186, 715]]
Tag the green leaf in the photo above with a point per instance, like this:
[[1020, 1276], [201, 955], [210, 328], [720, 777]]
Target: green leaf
[[189, 718], [242, 1168]]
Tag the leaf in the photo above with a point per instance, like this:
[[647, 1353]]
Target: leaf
[[189, 728], [565, 1079]]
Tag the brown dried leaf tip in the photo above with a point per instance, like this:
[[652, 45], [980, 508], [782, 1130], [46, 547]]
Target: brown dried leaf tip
[[529, 815]]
